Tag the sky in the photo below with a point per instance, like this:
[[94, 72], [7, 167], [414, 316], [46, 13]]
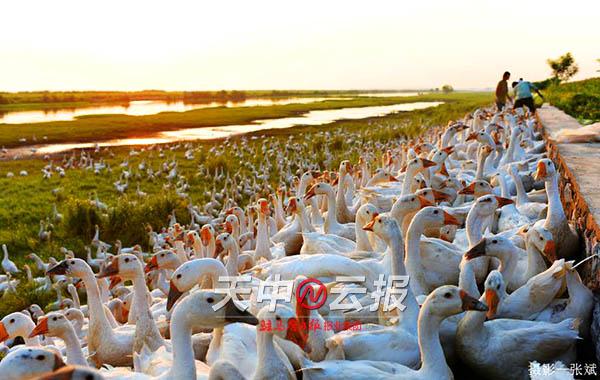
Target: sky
[[264, 44]]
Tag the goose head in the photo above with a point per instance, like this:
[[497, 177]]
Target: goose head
[[29, 363], [382, 175], [282, 322], [207, 232], [408, 204], [383, 226], [542, 239], [345, 168], [545, 170], [73, 372], [71, 267], [189, 274], [231, 223], [487, 204], [433, 195], [482, 137], [191, 237], [125, 265], [294, 206], [366, 213], [210, 309], [165, 259], [263, 207], [496, 246], [53, 324], [225, 242], [477, 188], [450, 300], [440, 155], [74, 314], [417, 165], [320, 188], [14, 325], [434, 217], [494, 286]]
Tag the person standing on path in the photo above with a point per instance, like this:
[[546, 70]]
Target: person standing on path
[[502, 91], [523, 96]]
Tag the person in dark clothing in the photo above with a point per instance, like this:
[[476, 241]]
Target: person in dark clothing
[[502, 91]]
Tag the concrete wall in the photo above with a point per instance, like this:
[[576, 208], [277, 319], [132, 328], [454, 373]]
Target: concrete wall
[[579, 165]]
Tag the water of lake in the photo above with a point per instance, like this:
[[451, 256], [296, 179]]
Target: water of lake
[[320, 117]]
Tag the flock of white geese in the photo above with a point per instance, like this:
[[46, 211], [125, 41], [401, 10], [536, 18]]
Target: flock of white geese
[[472, 215]]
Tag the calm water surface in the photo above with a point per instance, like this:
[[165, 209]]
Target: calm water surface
[[319, 117]]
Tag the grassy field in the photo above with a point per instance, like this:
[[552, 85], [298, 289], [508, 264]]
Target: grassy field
[[41, 100], [99, 127], [579, 99], [26, 200]]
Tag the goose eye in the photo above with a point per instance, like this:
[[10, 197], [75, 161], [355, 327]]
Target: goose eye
[[210, 300], [40, 357], [412, 200], [89, 377], [541, 238], [368, 212], [72, 262], [162, 255], [54, 318], [448, 295], [498, 286], [178, 276], [127, 260], [435, 212], [495, 241], [12, 321], [278, 318]]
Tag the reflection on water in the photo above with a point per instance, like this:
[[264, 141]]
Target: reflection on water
[[139, 108], [320, 117]]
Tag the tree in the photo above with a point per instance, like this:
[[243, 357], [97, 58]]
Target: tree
[[447, 88], [564, 67]]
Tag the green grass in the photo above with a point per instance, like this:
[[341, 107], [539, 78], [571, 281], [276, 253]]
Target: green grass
[[579, 99], [26, 200]]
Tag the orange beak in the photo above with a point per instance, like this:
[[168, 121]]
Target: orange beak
[[228, 227], [264, 208], [292, 205], [114, 281], [469, 190], [427, 163], [471, 303], [424, 202], [450, 220], [110, 270], [310, 193], [296, 333], [229, 211], [440, 197], [3, 333], [477, 250], [40, 328], [152, 265], [369, 226], [449, 150], [205, 236], [218, 247], [541, 172], [393, 179], [504, 201], [492, 300], [124, 313], [550, 249], [472, 136]]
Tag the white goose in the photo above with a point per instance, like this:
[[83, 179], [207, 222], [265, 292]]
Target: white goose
[[7, 265], [443, 302]]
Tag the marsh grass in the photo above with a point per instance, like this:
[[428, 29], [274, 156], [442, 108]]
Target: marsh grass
[[579, 99], [26, 200]]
